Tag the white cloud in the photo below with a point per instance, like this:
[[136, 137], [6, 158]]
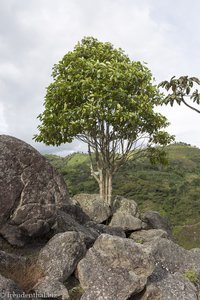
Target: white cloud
[[35, 34]]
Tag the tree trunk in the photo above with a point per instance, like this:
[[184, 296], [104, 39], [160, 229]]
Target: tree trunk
[[105, 186]]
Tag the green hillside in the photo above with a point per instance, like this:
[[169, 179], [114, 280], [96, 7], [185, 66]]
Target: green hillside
[[173, 190]]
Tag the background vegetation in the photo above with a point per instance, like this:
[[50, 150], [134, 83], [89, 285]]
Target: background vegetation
[[173, 190]]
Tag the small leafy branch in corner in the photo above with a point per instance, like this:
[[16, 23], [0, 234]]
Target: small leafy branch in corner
[[181, 90]]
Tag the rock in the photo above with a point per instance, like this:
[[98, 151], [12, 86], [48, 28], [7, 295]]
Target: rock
[[154, 221], [9, 289], [101, 228], [30, 192], [65, 223], [10, 260], [93, 206], [76, 212], [145, 236], [169, 278], [51, 289], [59, 257], [125, 205], [125, 221], [175, 258], [114, 268], [13, 234], [172, 286]]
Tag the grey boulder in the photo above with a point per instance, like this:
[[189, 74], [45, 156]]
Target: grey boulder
[[145, 236], [9, 289], [125, 205], [125, 221], [31, 191], [51, 289], [171, 287], [93, 206], [114, 268], [60, 256], [153, 220]]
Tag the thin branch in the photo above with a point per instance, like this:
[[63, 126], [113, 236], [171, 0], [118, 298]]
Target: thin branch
[[193, 108]]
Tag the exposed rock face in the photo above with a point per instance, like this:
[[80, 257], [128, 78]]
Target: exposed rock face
[[54, 289], [175, 258], [114, 268], [9, 289], [9, 260], [145, 236], [125, 205], [172, 286], [154, 221], [101, 228], [169, 280], [58, 259], [30, 192], [125, 221], [93, 206], [126, 214]]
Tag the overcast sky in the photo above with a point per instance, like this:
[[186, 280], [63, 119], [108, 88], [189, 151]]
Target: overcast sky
[[35, 34]]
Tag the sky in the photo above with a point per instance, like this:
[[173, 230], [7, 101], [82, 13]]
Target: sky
[[35, 34]]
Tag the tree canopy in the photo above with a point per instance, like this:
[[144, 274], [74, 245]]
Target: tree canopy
[[182, 90], [101, 97]]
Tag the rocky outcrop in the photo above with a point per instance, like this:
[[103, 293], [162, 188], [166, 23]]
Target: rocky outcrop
[[153, 220], [9, 289], [125, 221], [145, 236], [114, 268], [125, 205], [58, 259], [176, 274], [93, 206], [71, 241], [172, 286], [30, 192], [125, 215], [52, 288]]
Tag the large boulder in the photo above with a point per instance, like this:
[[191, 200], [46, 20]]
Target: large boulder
[[30, 192], [176, 274], [98, 210], [60, 256], [172, 286], [114, 268], [125, 205], [125, 221], [146, 236], [66, 222], [173, 257]]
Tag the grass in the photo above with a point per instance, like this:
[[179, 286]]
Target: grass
[[74, 288]]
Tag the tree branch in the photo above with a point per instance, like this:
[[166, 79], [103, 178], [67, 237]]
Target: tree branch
[[193, 108]]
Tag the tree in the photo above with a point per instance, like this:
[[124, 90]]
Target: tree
[[104, 99], [181, 90]]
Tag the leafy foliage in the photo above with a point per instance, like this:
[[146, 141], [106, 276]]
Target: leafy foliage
[[104, 99], [181, 89]]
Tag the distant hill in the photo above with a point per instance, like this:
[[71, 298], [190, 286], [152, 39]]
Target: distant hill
[[173, 190]]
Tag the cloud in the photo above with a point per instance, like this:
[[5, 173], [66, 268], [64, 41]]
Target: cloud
[[35, 34]]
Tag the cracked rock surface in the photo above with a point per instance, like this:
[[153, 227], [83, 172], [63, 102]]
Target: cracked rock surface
[[30, 192]]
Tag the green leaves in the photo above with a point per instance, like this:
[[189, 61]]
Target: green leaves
[[180, 90], [98, 92]]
